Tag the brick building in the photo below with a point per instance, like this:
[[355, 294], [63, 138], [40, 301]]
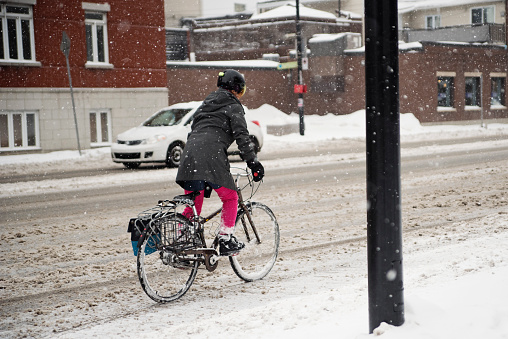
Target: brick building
[[263, 33], [438, 81], [434, 86], [442, 81], [117, 64]]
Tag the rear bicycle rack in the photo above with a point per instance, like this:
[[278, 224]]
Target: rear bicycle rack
[[167, 229], [176, 238]]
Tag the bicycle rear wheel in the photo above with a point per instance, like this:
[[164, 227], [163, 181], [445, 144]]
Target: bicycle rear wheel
[[261, 238], [164, 275]]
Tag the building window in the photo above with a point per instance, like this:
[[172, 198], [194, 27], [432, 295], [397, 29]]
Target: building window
[[498, 92], [96, 35], [100, 128], [432, 21], [19, 131], [473, 91], [445, 91], [16, 33], [482, 15], [96, 38], [240, 7]]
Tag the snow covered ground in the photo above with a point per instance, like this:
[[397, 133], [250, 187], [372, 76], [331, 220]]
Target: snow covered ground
[[463, 297]]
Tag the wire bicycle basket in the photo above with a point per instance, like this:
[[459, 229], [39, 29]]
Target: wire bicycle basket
[[165, 228], [177, 233]]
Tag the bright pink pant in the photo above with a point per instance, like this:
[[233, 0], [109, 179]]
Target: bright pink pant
[[229, 200]]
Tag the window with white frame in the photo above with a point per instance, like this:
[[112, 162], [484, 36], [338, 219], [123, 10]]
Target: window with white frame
[[16, 33], [445, 91], [498, 91], [482, 15], [96, 34], [19, 131], [240, 7], [96, 37], [100, 127], [473, 91], [432, 21]]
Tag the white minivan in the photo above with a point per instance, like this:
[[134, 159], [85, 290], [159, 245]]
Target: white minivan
[[162, 137]]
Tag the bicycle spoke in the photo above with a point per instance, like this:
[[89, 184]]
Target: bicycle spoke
[[164, 275], [261, 240]]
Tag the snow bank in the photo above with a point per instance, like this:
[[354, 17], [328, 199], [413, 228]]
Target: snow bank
[[448, 302], [317, 128], [58, 156], [467, 307], [271, 115]]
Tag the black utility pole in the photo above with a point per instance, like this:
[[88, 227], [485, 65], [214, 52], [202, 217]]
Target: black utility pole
[[300, 88], [384, 226]]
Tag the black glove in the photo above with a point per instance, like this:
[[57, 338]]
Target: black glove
[[258, 171]]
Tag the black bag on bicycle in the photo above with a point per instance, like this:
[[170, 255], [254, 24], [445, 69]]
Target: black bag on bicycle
[[135, 228]]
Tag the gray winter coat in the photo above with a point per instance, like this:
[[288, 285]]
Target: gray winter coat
[[218, 122]]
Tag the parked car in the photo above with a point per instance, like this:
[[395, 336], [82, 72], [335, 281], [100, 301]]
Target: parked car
[[162, 137]]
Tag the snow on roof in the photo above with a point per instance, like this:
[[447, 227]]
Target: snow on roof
[[325, 37], [289, 10], [403, 46], [227, 63], [410, 45], [406, 6], [351, 15]]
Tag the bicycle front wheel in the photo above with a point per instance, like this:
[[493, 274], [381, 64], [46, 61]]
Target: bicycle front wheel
[[165, 276], [261, 238]]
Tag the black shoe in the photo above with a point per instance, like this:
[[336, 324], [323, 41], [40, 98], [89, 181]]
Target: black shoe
[[229, 245]]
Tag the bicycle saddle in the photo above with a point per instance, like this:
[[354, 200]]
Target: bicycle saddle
[[186, 198]]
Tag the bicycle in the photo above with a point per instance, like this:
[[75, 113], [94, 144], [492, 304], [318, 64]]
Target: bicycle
[[171, 248]]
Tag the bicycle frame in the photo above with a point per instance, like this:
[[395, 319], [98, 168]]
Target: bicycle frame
[[241, 206], [210, 251], [210, 254]]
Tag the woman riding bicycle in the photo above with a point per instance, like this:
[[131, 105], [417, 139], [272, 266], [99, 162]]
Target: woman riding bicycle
[[218, 122]]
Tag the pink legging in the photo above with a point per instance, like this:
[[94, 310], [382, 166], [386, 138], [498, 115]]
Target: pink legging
[[229, 200]]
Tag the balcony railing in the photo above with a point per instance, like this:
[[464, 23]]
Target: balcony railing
[[484, 33]]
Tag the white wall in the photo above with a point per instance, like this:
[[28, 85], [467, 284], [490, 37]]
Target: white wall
[[174, 10], [128, 107], [225, 7]]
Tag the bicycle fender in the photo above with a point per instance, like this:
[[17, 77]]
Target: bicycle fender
[[141, 238], [241, 210]]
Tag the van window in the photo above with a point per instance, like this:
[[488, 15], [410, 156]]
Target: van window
[[167, 118]]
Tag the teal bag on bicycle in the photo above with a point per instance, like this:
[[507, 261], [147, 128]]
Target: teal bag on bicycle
[[135, 228]]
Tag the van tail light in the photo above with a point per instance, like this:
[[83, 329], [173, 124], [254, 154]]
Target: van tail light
[[256, 122]]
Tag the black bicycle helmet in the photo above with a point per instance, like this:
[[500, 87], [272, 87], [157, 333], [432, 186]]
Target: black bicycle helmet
[[232, 80]]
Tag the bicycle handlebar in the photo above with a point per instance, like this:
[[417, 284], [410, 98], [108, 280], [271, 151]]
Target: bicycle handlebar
[[240, 174], [243, 172]]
